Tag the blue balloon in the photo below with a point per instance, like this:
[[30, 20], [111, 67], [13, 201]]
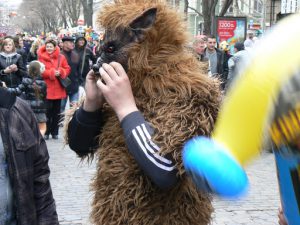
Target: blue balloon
[[212, 169]]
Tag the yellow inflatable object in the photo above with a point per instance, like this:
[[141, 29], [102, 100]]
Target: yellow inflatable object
[[247, 107]]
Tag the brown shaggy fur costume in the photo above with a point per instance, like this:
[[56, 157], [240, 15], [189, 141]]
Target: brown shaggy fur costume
[[178, 100]]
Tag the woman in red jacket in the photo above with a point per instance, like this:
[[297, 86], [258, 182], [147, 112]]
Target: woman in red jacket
[[56, 66]]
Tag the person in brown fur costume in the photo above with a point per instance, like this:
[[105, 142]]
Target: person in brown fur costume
[[150, 99]]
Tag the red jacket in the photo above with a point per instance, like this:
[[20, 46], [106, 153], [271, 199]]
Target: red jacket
[[54, 88]]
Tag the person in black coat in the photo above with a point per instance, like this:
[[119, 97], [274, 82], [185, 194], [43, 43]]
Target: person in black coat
[[12, 69], [25, 192], [86, 55], [34, 90], [19, 44], [74, 62]]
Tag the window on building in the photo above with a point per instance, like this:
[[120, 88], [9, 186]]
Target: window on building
[[242, 4], [255, 5], [260, 7]]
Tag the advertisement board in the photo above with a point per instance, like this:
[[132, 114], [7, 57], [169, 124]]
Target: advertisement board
[[231, 29]]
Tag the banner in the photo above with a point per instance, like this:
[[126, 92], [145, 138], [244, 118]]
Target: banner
[[231, 29]]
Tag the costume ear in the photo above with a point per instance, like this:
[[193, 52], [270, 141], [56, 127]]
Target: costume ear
[[144, 21]]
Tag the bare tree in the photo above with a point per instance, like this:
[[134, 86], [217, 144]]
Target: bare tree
[[225, 7], [72, 9], [30, 23], [87, 11], [60, 5], [52, 14], [46, 13], [208, 12]]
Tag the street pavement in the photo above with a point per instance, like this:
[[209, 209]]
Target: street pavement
[[70, 180]]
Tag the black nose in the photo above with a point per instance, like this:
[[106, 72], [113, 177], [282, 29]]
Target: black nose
[[96, 69], [97, 66]]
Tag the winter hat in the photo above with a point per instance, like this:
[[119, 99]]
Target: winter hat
[[239, 46], [67, 38]]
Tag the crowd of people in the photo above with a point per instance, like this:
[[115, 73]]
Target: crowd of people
[[223, 64], [70, 57], [73, 57], [33, 70]]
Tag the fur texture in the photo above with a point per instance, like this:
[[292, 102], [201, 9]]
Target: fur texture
[[178, 100]]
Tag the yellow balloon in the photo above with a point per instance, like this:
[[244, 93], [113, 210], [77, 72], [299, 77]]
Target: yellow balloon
[[244, 116]]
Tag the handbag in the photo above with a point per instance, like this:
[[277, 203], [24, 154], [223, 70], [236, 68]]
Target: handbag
[[65, 82]]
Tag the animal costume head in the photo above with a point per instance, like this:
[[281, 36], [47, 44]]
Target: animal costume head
[[175, 97], [147, 37]]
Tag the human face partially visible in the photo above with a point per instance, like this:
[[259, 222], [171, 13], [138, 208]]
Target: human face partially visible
[[50, 48], [81, 42], [21, 43], [68, 46], [8, 46], [211, 43], [200, 46]]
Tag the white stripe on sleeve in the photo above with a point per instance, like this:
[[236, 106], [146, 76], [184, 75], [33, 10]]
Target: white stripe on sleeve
[[155, 154], [167, 168], [149, 137]]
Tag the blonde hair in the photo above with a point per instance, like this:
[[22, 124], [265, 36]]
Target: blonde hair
[[35, 45]]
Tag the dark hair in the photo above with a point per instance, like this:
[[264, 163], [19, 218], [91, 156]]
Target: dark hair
[[211, 36], [34, 70], [51, 41], [16, 40], [239, 46]]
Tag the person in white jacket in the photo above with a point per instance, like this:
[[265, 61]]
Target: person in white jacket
[[236, 62]]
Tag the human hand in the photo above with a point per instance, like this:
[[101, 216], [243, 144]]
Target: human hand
[[57, 73], [117, 89], [93, 96], [7, 70], [13, 67], [281, 218]]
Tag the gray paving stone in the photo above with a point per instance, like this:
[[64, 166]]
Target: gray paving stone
[[70, 180]]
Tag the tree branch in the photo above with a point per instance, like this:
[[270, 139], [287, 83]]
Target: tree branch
[[225, 7], [200, 14]]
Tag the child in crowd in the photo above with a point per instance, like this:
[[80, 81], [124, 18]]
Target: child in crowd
[[33, 89]]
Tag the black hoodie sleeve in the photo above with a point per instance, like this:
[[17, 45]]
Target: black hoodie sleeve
[[83, 130]]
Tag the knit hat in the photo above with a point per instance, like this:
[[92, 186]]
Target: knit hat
[[239, 46]]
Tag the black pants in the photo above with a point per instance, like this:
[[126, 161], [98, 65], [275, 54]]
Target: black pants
[[53, 115]]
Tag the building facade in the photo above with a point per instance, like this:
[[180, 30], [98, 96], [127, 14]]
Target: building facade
[[254, 10], [278, 9]]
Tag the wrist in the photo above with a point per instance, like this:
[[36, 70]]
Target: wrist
[[121, 114], [90, 106]]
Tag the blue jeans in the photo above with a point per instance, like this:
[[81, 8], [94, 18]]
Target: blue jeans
[[73, 99]]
